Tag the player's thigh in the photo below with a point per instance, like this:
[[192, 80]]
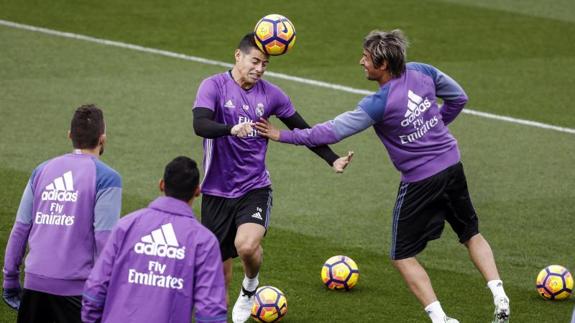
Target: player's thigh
[[218, 217], [255, 207], [249, 236], [461, 216], [67, 309], [216, 213], [35, 308], [418, 216]]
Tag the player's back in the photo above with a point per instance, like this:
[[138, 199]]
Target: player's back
[[62, 238], [157, 250], [410, 124]]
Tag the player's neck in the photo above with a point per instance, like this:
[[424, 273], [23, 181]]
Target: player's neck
[[94, 152], [386, 77], [236, 76]]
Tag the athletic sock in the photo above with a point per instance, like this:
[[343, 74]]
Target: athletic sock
[[496, 287], [250, 284], [435, 312]]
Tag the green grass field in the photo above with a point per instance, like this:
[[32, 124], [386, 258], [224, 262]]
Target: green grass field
[[515, 59]]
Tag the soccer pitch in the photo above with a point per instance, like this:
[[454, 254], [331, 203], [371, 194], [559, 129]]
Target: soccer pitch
[[513, 60]]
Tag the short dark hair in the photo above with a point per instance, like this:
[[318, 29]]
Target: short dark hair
[[181, 178], [87, 126], [248, 42], [387, 46]]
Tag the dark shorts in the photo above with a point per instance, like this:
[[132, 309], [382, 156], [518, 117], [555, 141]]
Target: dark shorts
[[422, 208], [39, 307], [223, 216]]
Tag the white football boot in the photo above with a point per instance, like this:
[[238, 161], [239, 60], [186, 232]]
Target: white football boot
[[450, 320], [502, 311], [243, 306]]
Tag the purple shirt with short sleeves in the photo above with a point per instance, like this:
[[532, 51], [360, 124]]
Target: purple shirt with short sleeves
[[407, 119], [234, 166]]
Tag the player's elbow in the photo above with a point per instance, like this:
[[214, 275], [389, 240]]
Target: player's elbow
[[200, 129]]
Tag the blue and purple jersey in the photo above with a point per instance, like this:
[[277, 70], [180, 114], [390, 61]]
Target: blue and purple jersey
[[234, 166], [159, 264], [67, 211], [407, 119]]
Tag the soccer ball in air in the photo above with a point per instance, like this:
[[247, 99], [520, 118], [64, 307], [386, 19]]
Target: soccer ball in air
[[274, 34], [555, 282], [340, 272], [270, 305]]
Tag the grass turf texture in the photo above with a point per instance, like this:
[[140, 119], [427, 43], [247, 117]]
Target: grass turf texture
[[519, 177]]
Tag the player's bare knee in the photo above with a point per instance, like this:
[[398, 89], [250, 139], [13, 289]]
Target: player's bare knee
[[247, 248]]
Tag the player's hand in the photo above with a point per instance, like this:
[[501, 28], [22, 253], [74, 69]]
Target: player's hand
[[266, 129], [242, 130], [341, 163], [12, 297]]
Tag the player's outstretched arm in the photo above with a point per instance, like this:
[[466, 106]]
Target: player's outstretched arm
[[296, 121], [329, 132]]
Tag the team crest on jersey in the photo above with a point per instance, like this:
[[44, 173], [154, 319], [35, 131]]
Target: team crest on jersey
[[260, 109]]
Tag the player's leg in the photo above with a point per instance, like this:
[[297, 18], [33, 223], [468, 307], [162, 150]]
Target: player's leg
[[416, 279], [228, 274], [217, 216], [252, 217], [482, 256], [248, 244], [465, 223], [418, 217], [35, 308]]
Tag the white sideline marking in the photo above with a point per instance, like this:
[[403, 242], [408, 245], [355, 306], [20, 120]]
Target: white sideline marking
[[272, 74]]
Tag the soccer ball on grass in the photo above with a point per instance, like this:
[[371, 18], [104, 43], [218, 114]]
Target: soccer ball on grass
[[555, 283], [270, 305], [340, 272]]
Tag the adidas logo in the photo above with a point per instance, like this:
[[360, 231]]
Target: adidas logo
[[258, 214], [416, 105], [161, 242], [229, 104], [61, 189]]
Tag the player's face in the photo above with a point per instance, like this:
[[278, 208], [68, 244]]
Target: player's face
[[371, 72], [251, 66]]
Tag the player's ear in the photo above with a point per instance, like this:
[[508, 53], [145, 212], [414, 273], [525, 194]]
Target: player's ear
[[102, 139], [238, 54], [69, 134], [162, 185], [384, 66], [197, 191]]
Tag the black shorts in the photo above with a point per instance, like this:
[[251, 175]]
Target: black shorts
[[40, 307], [422, 208], [223, 216]]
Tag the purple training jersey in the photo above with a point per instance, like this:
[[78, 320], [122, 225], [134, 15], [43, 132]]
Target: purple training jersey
[[159, 264], [233, 166], [407, 119], [67, 211]]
